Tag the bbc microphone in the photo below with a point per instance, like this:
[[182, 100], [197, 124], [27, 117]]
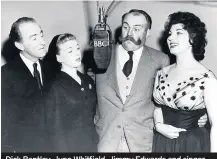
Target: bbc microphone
[[102, 42]]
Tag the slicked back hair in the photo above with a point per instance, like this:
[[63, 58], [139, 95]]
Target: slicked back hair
[[15, 34]]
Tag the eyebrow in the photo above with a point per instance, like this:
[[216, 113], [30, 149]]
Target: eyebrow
[[137, 25], [176, 30], [70, 47], [41, 32], [32, 36]]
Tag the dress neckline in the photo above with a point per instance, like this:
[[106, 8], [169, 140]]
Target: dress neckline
[[196, 76], [179, 86], [71, 80]]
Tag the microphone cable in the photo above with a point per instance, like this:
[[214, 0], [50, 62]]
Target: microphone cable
[[107, 11]]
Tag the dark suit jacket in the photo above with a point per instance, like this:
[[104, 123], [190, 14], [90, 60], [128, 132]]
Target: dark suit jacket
[[22, 117], [71, 109]]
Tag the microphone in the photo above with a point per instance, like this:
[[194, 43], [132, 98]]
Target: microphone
[[102, 42]]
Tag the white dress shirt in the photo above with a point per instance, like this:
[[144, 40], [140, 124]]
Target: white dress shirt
[[29, 65], [125, 83]]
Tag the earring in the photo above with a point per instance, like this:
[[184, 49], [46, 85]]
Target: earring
[[191, 41]]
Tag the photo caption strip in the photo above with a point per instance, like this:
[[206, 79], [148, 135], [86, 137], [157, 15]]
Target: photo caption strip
[[109, 156]]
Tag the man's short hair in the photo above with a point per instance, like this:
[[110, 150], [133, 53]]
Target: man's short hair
[[137, 12], [15, 34]]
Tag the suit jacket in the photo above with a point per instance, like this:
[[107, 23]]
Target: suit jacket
[[22, 118], [70, 112], [135, 117]]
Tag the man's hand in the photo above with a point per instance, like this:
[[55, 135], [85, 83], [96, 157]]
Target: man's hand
[[168, 130], [202, 121]]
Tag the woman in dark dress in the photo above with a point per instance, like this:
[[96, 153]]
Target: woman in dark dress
[[185, 91], [70, 102]]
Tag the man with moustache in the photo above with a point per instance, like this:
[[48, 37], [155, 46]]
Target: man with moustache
[[23, 80], [124, 115]]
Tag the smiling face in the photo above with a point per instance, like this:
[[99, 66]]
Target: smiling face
[[32, 42], [134, 27], [69, 54], [178, 40]]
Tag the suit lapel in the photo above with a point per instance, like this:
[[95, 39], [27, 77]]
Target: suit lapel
[[143, 70], [23, 69], [112, 72], [25, 73]]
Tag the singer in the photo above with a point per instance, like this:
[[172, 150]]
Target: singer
[[70, 102], [124, 117]]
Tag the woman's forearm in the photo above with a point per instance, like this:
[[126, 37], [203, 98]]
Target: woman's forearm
[[158, 117]]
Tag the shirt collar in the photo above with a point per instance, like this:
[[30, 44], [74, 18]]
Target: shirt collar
[[137, 53], [29, 63]]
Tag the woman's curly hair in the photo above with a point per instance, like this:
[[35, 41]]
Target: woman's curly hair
[[195, 28]]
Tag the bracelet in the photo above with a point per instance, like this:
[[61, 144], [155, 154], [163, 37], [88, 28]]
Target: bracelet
[[158, 123]]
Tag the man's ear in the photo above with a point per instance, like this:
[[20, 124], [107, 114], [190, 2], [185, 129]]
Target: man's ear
[[19, 46], [148, 33], [59, 59]]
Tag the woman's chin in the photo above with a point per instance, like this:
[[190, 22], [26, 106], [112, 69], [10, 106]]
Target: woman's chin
[[74, 65]]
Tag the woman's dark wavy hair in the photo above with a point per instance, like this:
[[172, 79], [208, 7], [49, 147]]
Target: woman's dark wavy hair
[[195, 28]]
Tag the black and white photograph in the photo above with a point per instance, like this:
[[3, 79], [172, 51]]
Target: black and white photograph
[[109, 76]]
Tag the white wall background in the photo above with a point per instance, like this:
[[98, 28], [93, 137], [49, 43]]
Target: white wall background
[[54, 17], [77, 16]]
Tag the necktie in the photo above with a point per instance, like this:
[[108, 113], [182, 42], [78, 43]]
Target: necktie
[[128, 65], [37, 76]]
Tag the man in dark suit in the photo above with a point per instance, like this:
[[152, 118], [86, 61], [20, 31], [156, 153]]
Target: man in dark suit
[[22, 85]]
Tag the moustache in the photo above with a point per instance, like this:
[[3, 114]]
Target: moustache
[[122, 40]]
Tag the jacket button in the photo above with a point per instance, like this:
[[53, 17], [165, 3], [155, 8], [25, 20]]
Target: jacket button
[[119, 126]]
